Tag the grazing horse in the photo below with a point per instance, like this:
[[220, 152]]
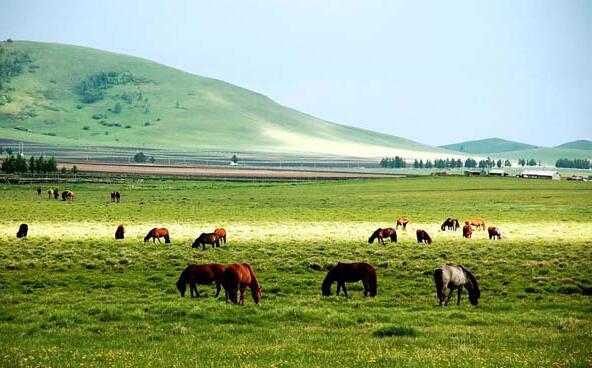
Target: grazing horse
[[450, 224], [206, 238], [423, 237], [38, 191], [350, 272], [402, 221], [67, 195], [221, 234], [49, 194], [158, 233], [380, 234], [476, 222], [237, 277], [494, 233], [203, 274], [117, 197], [22, 231], [56, 193], [467, 231], [119, 233], [112, 196], [455, 277]]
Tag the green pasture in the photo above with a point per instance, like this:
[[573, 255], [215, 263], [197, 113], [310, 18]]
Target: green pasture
[[72, 296]]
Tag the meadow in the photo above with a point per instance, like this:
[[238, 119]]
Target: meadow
[[73, 296]]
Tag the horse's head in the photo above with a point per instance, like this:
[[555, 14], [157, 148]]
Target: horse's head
[[257, 295], [195, 244], [371, 240], [182, 286]]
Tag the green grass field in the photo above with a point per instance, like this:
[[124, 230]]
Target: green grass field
[[72, 296]]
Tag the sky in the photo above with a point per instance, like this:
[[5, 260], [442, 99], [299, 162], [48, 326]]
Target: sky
[[437, 72]]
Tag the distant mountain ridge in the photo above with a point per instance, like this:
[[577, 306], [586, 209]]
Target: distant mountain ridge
[[582, 144], [487, 146]]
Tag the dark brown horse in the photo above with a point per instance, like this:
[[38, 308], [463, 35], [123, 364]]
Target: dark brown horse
[[67, 195], [117, 197], [494, 233], [221, 234], [350, 272], [206, 238], [112, 196], [455, 278], [157, 233], [402, 221], [380, 234], [22, 231], [203, 274], [467, 231], [38, 191], [56, 193], [119, 233], [237, 277], [450, 224], [423, 237]]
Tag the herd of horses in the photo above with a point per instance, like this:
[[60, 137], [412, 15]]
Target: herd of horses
[[236, 278]]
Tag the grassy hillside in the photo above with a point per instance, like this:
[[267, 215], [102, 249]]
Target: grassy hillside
[[548, 155], [581, 144], [488, 146], [161, 107]]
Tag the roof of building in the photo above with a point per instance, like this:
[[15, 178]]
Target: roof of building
[[540, 172]]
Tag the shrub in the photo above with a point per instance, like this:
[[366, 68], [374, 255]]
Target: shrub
[[395, 331]]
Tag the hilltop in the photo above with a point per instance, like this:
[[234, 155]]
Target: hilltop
[[581, 144], [75, 96], [488, 146]]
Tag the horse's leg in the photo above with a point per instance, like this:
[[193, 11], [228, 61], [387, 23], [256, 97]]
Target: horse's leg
[[366, 287], [344, 290], [459, 293], [448, 297], [217, 289], [242, 296], [338, 288]]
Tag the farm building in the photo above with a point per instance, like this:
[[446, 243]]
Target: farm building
[[474, 172], [540, 174], [497, 172]]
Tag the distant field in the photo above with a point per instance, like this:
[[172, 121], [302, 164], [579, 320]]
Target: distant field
[[72, 296]]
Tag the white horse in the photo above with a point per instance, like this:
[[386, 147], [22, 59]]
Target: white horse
[[455, 278]]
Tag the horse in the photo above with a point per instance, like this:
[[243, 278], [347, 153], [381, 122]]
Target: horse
[[450, 224], [38, 191], [402, 221], [203, 274], [455, 277], [119, 232], [221, 234], [49, 194], [206, 238], [117, 197], [467, 231], [494, 233], [350, 272], [237, 277], [67, 195], [380, 234], [112, 196], [56, 193], [158, 233], [476, 222], [22, 231], [423, 237]]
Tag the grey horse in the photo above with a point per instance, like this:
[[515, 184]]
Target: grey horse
[[455, 278]]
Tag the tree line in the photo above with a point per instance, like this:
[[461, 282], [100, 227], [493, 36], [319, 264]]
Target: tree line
[[20, 165], [448, 163], [573, 164]]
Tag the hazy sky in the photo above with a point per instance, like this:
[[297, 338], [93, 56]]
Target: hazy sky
[[434, 71]]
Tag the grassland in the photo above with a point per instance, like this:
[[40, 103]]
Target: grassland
[[72, 296], [488, 146]]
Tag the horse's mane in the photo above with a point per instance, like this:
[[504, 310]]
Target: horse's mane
[[328, 281], [149, 234], [473, 281], [374, 235], [253, 277], [182, 282]]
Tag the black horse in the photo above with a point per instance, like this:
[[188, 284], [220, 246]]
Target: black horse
[[22, 231], [351, 272]]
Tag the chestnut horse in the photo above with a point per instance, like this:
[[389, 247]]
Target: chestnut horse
[[455, 277], [203, 274], [423, 237], [467, 231], [476, 222], [402, 221], [450, 224], [350, 272], [221, 234], [380, 234], [237, 277], [119, 233], [206, 238], [158, 233], [494, 233]]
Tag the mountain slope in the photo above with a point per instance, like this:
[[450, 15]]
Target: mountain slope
[[581, 144], [488, 146], [76, 96]]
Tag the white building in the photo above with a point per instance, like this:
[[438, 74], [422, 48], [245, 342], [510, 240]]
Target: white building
[[540, 174]]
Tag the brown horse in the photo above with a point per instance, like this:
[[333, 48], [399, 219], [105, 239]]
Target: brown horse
[[402, 221], [206, 238], [221, 234], [112, 196], [423, 237], [494, 233], [350, 272], [476, 222], [50, 194], [237, 277], [380, 234], [56, 193], [119, 233], [450, 224], [158, 233], [203, 274], [67, 195], [467, 231]]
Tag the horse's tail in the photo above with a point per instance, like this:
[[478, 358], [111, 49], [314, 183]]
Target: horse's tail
[[373, 282], [182, 282], [439, 281], [149, 235], [394, 236]]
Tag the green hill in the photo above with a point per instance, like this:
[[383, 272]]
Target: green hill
[[581, 144], [548, 155], [488, 146], [74, 96]]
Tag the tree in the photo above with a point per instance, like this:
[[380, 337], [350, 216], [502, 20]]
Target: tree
[[152, 159], [32, 164], [140, 157], [532, 162], [9, 150], [508, 163], [416, 164], [51, 165], [74, 170], [63, 170], [499, 164], [117, 108], [470, 163], [40, 165], [234, 159]]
